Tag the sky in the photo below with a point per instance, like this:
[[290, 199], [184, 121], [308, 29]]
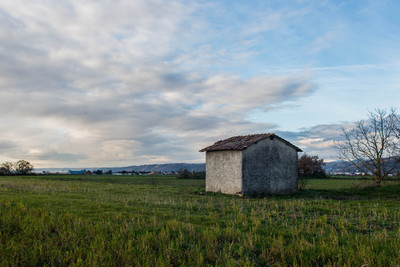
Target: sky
[[104, 83]]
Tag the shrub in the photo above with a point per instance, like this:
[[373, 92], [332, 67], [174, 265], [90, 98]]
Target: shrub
[[185, 174]]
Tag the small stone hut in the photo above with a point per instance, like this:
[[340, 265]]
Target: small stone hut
[[252, 164]]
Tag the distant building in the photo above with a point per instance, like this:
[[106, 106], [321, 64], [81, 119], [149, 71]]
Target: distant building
[[252, 164]]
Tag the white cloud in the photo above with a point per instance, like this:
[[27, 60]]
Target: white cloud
[[319, 139], [112, 83]]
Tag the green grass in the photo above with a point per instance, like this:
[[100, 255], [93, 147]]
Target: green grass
[[69, 220]]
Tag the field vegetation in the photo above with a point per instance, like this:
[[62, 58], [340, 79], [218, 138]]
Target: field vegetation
[[68, 220]]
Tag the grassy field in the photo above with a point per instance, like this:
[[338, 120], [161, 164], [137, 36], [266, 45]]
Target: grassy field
[[163, 221]]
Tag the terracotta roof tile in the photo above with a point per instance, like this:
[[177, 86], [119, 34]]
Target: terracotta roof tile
[[242, 142]]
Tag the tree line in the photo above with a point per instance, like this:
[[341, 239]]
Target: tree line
[[21, 167]]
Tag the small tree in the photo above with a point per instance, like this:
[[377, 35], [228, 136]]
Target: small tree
[[311, 165], [98, 172], [373, 146], [23, 167], [183, 174], [6, 168]]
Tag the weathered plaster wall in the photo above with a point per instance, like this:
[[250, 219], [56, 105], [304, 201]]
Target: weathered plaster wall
[[269, 166], [224, 171]]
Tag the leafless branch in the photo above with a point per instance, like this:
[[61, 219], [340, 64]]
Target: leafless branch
[[374, 145]]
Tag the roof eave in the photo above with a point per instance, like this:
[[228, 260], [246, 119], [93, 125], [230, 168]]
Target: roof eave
[[212, 150]]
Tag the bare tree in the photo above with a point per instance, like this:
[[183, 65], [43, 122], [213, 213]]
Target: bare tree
[[373, 146], [6, 168], [23, 167]]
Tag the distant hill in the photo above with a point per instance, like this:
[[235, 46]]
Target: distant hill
[[169, 167], [344, 166], [339, 167]]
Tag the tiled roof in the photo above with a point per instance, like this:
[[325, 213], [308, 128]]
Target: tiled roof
[[243, 141]]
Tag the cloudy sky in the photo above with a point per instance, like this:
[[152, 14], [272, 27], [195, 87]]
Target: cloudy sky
[[92, 83]]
